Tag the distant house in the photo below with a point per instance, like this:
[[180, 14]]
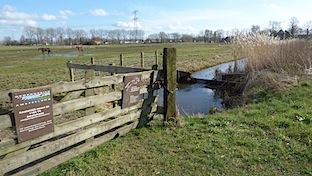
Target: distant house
[[282, 35], [226, 40], [152, 41], [97, 41]]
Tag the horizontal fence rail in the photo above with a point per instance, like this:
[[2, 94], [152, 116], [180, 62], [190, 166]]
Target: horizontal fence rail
[[86, 113]]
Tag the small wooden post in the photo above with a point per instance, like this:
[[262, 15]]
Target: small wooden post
[[90, 74], [142, 59], [71, 73], [113, 87], [156, 57], [170, 81], [121, 59]]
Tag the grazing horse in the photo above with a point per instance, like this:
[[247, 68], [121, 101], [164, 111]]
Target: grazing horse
[[80, 50], [43, 50]]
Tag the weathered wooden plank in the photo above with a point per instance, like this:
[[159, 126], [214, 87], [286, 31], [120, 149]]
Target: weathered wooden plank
[[6, 144], [70, 126], [104, 68], [57, 108], [82, 103], [37, 153], [84, 84], [90, 74], [72, 95], [17, 152], [95, 82], [65, 156]]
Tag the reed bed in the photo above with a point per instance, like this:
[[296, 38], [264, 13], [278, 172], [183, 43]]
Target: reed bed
[[272, 64]]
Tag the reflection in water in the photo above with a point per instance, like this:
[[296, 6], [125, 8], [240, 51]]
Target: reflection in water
[[193, 99], [47, 56], [196, 98], [8, 66], [209, 73]]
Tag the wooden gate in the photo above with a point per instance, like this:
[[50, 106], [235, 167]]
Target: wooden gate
[[84, 114]]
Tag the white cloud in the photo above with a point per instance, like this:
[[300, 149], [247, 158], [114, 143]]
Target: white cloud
[[99, 12], [271, 6], [66, 12], [127, 24], [180, 27], [8, 8], [18, 22], [48, 17]]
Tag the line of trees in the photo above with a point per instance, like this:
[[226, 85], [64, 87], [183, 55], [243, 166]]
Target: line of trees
[[68, 36]]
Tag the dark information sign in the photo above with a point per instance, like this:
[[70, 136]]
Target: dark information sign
[[131, 91], [33, 113]]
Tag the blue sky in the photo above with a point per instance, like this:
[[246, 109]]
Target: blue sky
[[154, 16]]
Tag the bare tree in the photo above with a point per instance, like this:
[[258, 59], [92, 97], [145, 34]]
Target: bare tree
[[70, 35], [175, 36], [23, 40], [140, 34], [293, 26], [187, 38], [7, 40], [30, 32], [218, 35], [80, 35], [60, 32], [255, 28], [40, 34], [307, 26], [162, 36], [51, 34], [124, 34], [208, 35], [94, 33], [153, 36], [274, 26]]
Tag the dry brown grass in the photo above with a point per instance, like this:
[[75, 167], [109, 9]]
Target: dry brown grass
[[273, 64]]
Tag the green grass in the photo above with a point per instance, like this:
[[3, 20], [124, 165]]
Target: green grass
[[25, 67], [271, 136]]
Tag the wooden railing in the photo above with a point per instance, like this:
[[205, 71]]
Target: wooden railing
[[86, 113]]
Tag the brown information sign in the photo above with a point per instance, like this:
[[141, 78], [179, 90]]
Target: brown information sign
[[33, 113], [131, 91]]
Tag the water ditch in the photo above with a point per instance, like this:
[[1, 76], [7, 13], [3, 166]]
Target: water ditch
[[197, 98], [47, 56]]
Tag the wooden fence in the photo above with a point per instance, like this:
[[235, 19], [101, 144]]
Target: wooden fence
[[86, 113]]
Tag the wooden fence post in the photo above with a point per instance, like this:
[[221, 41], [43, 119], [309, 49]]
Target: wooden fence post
[[90, 74], [156, 57], [71, 72], [121, 60], [142, 59], [170, 81], [113, 87]]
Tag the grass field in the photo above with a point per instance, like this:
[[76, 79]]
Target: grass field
[[271, 136], [25, 67]]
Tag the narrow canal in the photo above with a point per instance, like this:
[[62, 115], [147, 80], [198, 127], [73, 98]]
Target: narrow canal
[[196, 98]]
